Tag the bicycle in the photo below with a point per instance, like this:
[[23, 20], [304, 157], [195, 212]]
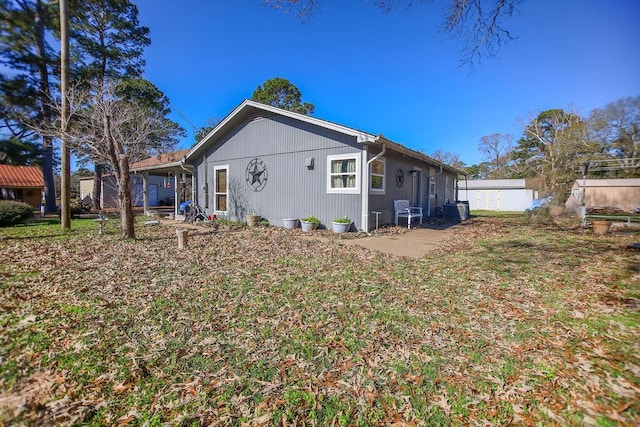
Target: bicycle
[[194, 213]]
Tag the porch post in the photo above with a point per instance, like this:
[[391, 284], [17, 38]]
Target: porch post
[[176, 194], [145, 192], [364, 190]]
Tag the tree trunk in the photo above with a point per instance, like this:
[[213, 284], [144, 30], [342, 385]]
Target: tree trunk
[[97, 187], [65, 178], [120, 163], [47, 174], [47, 142], [124, 199]]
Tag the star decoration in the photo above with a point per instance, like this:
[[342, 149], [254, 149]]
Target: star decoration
[[256, 174]]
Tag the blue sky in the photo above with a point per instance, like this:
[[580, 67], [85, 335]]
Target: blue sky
[[394, 74]]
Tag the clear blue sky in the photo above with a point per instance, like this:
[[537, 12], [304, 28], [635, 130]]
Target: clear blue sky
[[394, 73]]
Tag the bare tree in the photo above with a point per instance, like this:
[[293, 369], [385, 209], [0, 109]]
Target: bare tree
[[616, 127], [496, 150], [451, 159], [114, 130], [479, 23]]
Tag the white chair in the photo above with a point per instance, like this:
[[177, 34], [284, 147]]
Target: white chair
[[403, 210]]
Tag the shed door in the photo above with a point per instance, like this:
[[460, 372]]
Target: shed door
[[489, 200]]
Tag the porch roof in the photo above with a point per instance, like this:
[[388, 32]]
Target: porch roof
[[162, 163]]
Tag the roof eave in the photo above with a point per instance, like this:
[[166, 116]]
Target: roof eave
[[361, 137], [172, 165], [418, 155]]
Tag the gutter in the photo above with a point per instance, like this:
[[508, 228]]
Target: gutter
[[365, 184]]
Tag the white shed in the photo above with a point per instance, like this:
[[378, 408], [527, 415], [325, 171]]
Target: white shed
[[496, 194]]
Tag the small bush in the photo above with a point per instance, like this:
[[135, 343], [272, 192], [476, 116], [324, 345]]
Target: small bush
[[311, 219], [12, 213], [343, 220], [76, 208], [539, 215]]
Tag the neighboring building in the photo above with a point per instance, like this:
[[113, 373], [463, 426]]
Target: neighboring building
[[281, 164], [22, 183], [161, 191], [510, 195], [163, 176], [623, 193]]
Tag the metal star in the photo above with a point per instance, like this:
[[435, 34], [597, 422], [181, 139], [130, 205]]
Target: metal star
[[256, 175]]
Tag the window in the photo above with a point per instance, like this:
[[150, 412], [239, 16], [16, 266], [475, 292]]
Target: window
[[432, 186], [221, 188], [377, 176], [343, 174]]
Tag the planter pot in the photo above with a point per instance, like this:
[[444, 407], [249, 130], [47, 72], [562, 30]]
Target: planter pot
[[600, 227], [290, 223], [252, 220], [308, 226], [340, 227]]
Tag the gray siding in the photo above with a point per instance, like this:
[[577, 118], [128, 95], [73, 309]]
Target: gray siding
[[445, 187], [292, 189]]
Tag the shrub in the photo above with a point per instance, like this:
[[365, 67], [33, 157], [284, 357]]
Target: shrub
[[311, 219], [12, 213], [539, 215], [76, 208], [343, 220]]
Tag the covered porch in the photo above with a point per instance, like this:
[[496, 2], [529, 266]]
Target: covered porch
[[164, 182]]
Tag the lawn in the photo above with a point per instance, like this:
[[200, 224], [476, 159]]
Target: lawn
[[510, 322]]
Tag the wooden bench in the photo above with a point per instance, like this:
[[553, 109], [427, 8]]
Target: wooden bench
[[403, 210]]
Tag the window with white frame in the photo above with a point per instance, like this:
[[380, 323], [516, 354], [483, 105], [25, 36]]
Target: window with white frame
[[432, 185], [376, 179], [343, 173], [221, 184]]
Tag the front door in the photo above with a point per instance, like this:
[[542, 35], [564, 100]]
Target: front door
[[415, 187]]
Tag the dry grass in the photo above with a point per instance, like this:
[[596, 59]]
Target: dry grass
[[511, 322]]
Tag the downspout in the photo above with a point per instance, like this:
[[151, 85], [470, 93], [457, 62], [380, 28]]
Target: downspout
[[365, 185], [434, 181]]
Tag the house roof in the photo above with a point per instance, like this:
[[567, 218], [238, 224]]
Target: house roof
[[21, 176], [493, 184], [620, 182], [162, 161], [236, 116]]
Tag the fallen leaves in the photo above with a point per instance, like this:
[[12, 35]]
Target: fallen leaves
[[505, 323]]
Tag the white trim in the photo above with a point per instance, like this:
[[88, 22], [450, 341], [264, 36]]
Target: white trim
[[356, 173], [378, 191], [215, 185]]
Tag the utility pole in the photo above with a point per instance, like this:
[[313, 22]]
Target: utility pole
[[65, 190]]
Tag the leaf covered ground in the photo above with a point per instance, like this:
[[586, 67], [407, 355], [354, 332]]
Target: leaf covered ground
[[508, 323]]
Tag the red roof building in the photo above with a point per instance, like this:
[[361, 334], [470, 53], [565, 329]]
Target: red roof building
[[21, 183]]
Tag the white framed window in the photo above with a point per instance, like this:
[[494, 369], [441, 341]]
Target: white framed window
[[343, 173], [432, 185], [377, 179], [221, 186]]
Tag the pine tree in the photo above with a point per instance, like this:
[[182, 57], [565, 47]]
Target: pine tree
[[30, 65]]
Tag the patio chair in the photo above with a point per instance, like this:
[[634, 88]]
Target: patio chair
[[403, 210]]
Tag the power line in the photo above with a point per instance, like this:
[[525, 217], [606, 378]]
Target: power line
[[195, 129]]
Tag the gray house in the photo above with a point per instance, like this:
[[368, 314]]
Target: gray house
[[279, 164]]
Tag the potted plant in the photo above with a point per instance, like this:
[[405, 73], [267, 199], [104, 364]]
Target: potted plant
[[252, 219], [290, 222], [309, 223], [600, 226], [341, 225]]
